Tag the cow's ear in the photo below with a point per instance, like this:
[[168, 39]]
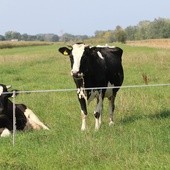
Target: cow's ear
[[65, 51]]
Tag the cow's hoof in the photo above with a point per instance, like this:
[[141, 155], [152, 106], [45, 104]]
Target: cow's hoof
[[83, 129], [111, 123]]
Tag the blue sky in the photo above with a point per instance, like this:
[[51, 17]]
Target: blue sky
[[77, 17]]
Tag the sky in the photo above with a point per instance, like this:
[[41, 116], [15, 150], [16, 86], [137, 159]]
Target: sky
[[77, 17]]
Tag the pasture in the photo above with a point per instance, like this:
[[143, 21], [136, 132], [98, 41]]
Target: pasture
[[140, 138]]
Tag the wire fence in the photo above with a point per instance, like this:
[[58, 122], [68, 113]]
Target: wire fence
[[69, 90], [93, 88]]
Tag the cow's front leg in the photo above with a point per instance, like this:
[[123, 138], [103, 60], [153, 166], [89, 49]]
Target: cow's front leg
[[98, 111], [83, 113], [83, 125]]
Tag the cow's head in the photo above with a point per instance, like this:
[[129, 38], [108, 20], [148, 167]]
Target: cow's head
[[4, 95], [77, 58]]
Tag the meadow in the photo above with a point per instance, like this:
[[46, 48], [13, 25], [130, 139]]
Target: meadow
[[140, 138]]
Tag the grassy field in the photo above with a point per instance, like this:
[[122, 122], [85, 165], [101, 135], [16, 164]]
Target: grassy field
[[140, 138], [13, 44], [158, 43]]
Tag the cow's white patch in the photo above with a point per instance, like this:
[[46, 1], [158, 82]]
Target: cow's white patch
[[33, 121], [5, 133], [93, 94], [1, 90], [77, 52], [111, 46], [99, 108], [81, 93], [100, 55], [109, 91], [104, 46], [83, 116]]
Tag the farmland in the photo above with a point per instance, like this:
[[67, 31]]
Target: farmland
[[140, 138]]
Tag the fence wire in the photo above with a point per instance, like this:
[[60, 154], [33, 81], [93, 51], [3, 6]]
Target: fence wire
[[91, 88], [68, 90]]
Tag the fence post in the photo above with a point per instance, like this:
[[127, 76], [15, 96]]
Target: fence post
[[14, 119]]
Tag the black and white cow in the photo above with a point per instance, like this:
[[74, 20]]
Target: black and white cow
[[95, 67], [25, 118]]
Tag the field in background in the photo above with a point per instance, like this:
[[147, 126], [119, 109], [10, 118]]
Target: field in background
[[138, 140], [13, 44], [157, 43]]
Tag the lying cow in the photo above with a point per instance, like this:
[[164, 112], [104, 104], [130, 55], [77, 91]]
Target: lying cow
[[95, 67], [25, 118]]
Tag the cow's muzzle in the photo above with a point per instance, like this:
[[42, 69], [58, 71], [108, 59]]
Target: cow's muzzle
[[77, 75]]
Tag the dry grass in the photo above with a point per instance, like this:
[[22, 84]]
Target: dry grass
[[156, 43], [11, 44]]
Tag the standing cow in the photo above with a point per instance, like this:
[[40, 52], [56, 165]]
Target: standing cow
[[25, 118], [95, 67]]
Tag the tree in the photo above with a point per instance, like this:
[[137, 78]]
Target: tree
[[160, 28], [24, 37], [2, 38], [51, 37], [143, 29], [12, 35], [120, 34], [131, 32]]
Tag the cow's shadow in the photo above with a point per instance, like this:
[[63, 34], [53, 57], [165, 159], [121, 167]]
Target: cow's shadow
[[159, 115]]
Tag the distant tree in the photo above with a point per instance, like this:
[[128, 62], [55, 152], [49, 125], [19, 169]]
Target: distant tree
[[80, 37], [55, 38], [166, 30], [109, 36], [67, 37], [40, 37], [2, 38], [24, 37], [160, 28], [51, 37], [143, 29], [131, 32], [120, 34], [8, 35], [105, 36], [32, 38], [99, 34], [12, 35]]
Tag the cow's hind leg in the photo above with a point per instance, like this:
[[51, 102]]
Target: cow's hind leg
[[33, 120], [111, 109], [98, 111]]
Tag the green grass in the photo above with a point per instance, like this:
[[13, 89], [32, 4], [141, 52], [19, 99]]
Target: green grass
[[140, 138]]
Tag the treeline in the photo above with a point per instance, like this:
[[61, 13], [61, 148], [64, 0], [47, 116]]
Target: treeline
[[16, 36], [159, 28]]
